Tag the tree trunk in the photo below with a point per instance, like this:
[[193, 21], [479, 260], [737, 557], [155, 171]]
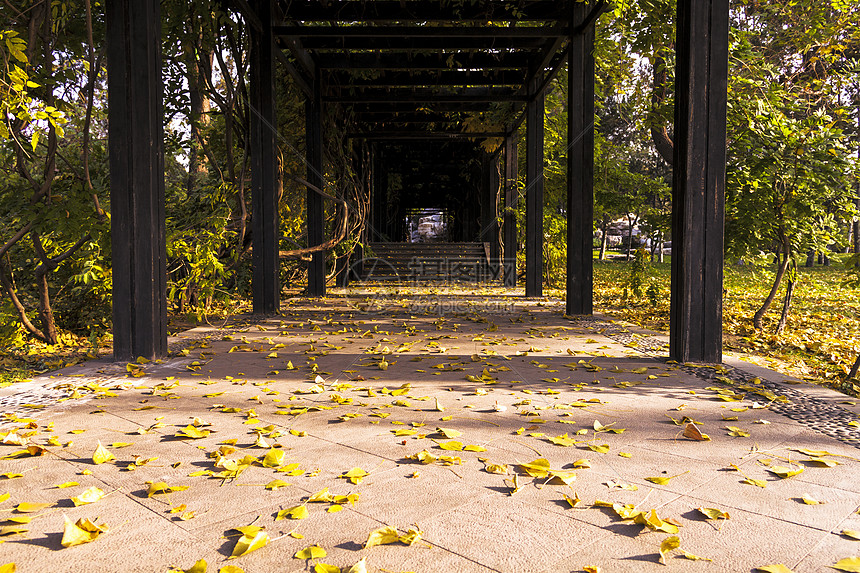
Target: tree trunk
[[786, 303], [780, 272], [46, 313], [604, 228], [659, 133], [854, 369], [630, 222], [810, 258]]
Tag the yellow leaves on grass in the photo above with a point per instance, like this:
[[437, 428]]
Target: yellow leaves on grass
[[80, 532], [253, 538], [102, 455], [388, 534]]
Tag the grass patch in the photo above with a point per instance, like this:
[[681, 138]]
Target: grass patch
[[821, 339]]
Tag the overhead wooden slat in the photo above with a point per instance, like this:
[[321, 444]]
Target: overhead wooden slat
[[426, 61], [430, 78], [420, 31], [468, 95], [395, 10], [405, 43]]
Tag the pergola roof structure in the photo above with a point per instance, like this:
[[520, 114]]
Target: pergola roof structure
[[413, 69]]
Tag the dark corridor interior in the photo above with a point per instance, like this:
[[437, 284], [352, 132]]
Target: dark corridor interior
[[423, 179]]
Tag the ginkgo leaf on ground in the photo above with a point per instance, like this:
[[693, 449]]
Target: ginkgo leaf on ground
[[692, 432], [274, 458], [27, 507], [326, 568], [692, 557], [277, 484], [669, 544], [572, 501], [200, 567], [852, 533], [713, 513], [193, 432], [355, 475], [449, 434], [102, 455], [312, 552], [382, 536], [160, 488], [79, 532], [90, 495], [538, 468], [809, 500], [249, 541], [785, 472], [230, 569], [665, 479], [295, 512], [359, 567], [453, 446], [8, 568], [778, 568], [851, 564]]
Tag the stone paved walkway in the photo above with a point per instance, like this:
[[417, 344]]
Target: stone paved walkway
[[429, 393]]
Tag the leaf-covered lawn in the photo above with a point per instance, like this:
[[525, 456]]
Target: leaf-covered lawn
[[820, 342]]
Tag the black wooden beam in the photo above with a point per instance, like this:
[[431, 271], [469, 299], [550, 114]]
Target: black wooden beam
[[418, 106], [430, 78], [509, 224], [698, 183], [265, 227], [136, 142], [407, 43], [395, 10], [428, 95], [534, 192], [422, 134], [315, 206], [405, 118], [580, 166], [424, 61], [416, 32]]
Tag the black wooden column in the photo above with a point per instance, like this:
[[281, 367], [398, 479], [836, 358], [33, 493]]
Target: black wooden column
[[136, 151], [534, 189], [265, 226], [580, 165], [315, 207], [489, 205], [510, 220], [698, 184]]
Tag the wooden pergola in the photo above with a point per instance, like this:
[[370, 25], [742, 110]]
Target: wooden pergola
[[406, 69]]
